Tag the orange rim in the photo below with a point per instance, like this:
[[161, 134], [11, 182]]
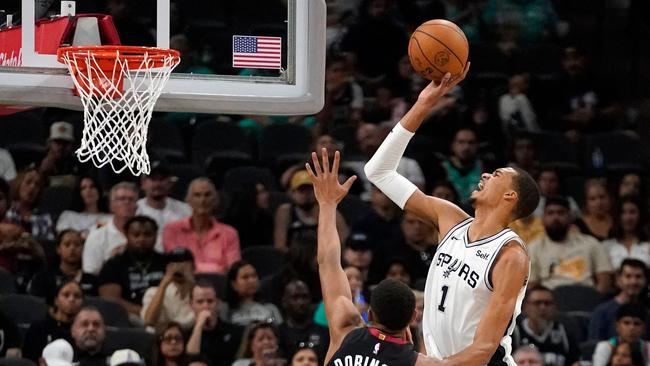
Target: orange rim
[[133, 55]]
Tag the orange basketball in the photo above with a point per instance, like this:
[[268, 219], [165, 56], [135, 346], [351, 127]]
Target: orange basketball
[[437, 47]]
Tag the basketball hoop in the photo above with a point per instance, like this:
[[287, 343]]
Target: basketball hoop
[[118, 87]]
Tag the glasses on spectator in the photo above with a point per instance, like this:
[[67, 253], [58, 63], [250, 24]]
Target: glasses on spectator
[[543, 302], [302, 345], [172, 338], [125, 199]]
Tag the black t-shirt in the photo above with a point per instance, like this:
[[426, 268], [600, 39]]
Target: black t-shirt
[[45, 283], [220, 345], [313, 334], [40, 334], [9, 335], [86, 359], [556, 345], [361, 347], [134, 273], [419, 261]]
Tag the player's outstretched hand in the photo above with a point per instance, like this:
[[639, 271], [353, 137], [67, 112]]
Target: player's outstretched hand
[[434, 91], [327, 188]]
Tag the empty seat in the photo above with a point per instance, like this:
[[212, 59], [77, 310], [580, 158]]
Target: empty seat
[[113, 313], [574, 298], [555, 149], [185, 174], [165, 141], [136, 339], [587, 350], [234, 177], [620, 150], [24, 127], [23, 309], [214, 140], [54, 200], [347, 136], [7, 283], [353, 209], [284, 141], [266, 259]]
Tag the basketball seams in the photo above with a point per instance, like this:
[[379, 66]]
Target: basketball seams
[[417, 43], [455, 28], [439, 41]]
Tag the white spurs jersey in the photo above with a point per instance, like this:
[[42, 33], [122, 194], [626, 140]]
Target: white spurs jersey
[[458, 290]]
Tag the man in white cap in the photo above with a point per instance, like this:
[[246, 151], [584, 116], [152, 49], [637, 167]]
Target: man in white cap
[[59, 163], [126, 357], [57, 353]]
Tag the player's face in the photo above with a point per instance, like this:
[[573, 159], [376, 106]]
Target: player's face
[[631, 280], [492, 187]]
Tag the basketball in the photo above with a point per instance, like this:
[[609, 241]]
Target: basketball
[[437, 47]]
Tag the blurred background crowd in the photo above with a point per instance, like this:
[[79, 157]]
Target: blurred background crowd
[[210, 259]]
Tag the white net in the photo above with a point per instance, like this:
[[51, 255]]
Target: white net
[[118, 102]]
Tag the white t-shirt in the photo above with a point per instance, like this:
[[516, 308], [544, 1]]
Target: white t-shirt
[[173, 210], [603, 353], [7, 166], [618, 252], [173, 308], [81, 221], [100, 246]]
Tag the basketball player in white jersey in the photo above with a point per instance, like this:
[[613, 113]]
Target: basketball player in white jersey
[[478, 276]]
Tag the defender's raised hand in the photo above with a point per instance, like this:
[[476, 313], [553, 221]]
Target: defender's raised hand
[[327, 188]]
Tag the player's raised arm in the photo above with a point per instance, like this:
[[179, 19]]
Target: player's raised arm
[[342, 315], [381, 170]]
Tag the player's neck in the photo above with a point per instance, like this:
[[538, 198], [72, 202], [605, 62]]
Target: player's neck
[[487, 223]]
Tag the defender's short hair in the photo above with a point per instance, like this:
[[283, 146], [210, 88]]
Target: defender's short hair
[[527, 193], [392, 303]]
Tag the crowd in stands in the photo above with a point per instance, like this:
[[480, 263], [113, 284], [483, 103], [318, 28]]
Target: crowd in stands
[[210, 259]]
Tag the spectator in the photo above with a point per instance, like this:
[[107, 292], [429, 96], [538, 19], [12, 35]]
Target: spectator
[[343, 96], [87, 210], [629, 240], [463, 167], [626, 354], [358, 252], [244, 306], [561, 257], [170, 346], [170, 300], [445, 190], [520, 21], [304, 356], [417, 247], [23, 257], [596, 219], [548, 181], [125, 277], [398, 270], [357, 287], [523, 155], [215, 245], [105, 242], [381, 52], [631, 281], [64, 306], [25, 190], [529, 228], [248, 212], [528, 356], [126, 357], [7, 166], [11, 336], [630, 326], [57, 353], [541, 329], [212, 337], [59, 163], [298, 327], [259, 346], [89, 332], [369, 137], [515, 109], [382, 223], [299, 218], [630, 185], [416, 324], [156, 202], [69, 248]]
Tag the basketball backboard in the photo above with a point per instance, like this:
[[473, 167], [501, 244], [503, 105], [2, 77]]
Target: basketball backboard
[[209, 34]]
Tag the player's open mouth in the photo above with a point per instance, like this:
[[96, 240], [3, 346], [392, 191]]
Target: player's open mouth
[[479, 186]]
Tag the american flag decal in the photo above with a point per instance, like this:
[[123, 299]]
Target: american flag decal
[[257, 52]]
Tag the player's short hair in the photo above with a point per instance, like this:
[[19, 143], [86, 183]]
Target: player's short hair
[[527, 193], [392, 303]]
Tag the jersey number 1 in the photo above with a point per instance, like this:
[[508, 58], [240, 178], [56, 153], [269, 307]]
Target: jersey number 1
[[441, 306]]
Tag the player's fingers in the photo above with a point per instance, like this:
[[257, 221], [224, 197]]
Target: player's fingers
[[326, 161], [335, 165], [314, 159], [348, 183], [309, 171]]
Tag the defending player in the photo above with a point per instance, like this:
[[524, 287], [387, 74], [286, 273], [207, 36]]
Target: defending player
[[392, 307], [478, 276]]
